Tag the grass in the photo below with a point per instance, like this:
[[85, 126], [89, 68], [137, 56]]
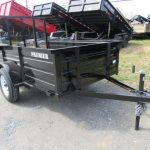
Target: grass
[[140, 42], [138, 54]]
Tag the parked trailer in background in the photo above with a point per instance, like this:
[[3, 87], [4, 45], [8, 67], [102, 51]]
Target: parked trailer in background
[[57, 15], [104, 20], [102, 16], [99, 16], [141, 27], [11, 8]]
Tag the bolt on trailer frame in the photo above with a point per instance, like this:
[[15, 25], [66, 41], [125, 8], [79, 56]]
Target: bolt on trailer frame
[[64, 66]]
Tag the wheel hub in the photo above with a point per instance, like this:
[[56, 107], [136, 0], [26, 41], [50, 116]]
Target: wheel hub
[[4, 86]]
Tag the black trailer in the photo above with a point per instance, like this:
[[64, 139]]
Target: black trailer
[[141, 27], [138, 18], [98, 16], [64, 66]]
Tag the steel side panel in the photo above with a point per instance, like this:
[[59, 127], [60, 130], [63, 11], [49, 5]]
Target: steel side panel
[[41, 85], [11, 54], [38, 64], [12, 51], [41, 72], [45, 76]]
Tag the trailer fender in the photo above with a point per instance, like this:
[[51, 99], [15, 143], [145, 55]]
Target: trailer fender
[[13, 69]]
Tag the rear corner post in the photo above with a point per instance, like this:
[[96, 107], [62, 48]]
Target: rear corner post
[[108, 60]]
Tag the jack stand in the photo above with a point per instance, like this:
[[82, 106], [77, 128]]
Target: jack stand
[[140, 108]]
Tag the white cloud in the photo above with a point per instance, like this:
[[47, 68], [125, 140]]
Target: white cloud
[[134, 7]]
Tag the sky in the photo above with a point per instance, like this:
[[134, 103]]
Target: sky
[[129, 8]]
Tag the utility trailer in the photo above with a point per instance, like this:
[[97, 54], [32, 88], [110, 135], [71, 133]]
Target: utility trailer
[[65, 67], [62, 66], [141, 27], [57, 15], [97, 17], [12, 8], [102, 16]]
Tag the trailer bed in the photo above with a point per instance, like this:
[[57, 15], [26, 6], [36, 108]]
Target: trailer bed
[[64, 64]]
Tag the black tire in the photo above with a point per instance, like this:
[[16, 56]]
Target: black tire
[[13, 92]]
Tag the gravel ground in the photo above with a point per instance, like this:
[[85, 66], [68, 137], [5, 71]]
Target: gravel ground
[[38, 122]]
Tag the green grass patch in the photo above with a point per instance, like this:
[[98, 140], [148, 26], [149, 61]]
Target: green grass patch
[[140, 42], [138, 56]]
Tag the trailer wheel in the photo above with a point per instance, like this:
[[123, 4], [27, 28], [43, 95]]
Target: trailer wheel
[[9, 91]]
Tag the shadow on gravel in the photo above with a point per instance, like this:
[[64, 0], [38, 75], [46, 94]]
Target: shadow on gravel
[[90, 113]]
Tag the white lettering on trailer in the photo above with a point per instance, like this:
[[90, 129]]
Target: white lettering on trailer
[[39, 55]]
